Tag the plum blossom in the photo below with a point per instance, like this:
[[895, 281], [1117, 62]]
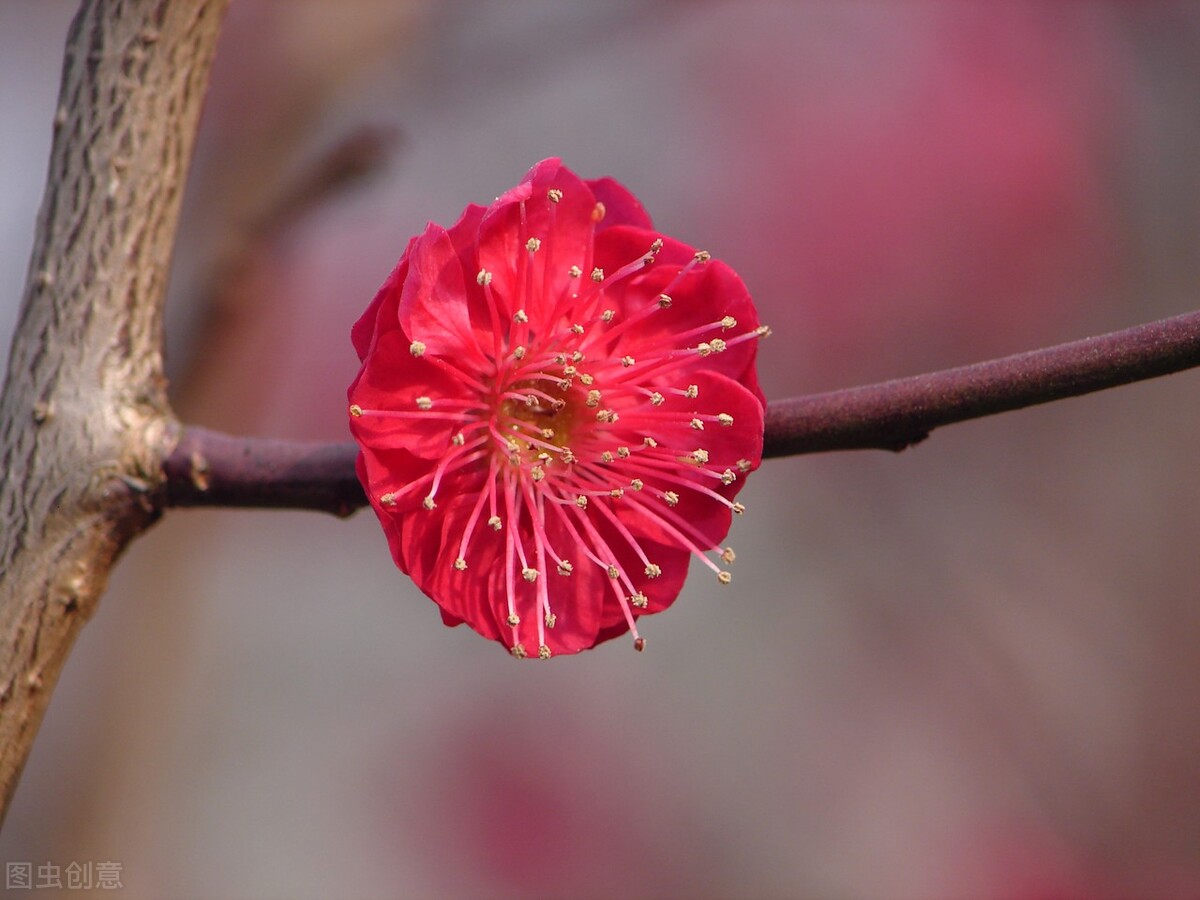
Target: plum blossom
[[556, 408]]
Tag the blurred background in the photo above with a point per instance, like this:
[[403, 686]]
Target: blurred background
[[968, 670]]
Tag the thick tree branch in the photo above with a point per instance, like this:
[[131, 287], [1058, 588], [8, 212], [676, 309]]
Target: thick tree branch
[[84, 423], [212, 469]]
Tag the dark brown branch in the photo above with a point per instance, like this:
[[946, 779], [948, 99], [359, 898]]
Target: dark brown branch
[[208, 468], [897, 414], [212, 469]]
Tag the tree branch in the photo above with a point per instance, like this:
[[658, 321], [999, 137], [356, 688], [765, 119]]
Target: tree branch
[[84, 422], [208, 468], [896, 414], [212, 469]]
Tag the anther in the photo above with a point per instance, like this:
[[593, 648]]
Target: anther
[[593, 398], [702, 256], [617, 493], [564, 568], [640, 644], [416, 348], [637, 484], [650, 442], [627, 361], [520, 316], [577, 328], [543, 652], [724, 577], [532, 245], [606, 415], [586, 378], [664, 301], [697, 424], [623, 452], [718, 345], [570, 370], [574, 271], [428, 503], [657, 399], [494, 522], [725, 419], [460, 564], [513, 620], [657, 245], [484, 277], [608, 315], [692, 392], [671, 498], [519, 353], [581, 501], [745, 465], [551, 618], [614, 573], [738, 508], [554, 195], [597, 275], [700, 455], [355, 410], [598, 212], [653, 570], [458, 440], [640, 600], [388, 499], [727, 477], [529, 574], [728, 322], [537, 473], [606, 456], [424, 403], [704, 348], [728, 556], [763, 331], [518, 651]]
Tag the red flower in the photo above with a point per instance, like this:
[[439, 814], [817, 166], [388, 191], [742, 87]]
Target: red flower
[[555, 410]]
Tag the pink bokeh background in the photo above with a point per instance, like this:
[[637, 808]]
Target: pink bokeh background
[[969, 670]]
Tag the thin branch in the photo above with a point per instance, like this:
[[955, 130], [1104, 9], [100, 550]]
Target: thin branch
[[212, 469], [896, 414], [208, 468]]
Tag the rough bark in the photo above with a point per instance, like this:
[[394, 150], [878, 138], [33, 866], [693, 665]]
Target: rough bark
[[84, 421]]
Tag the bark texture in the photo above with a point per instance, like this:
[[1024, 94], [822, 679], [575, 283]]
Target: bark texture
[[84, 421]]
